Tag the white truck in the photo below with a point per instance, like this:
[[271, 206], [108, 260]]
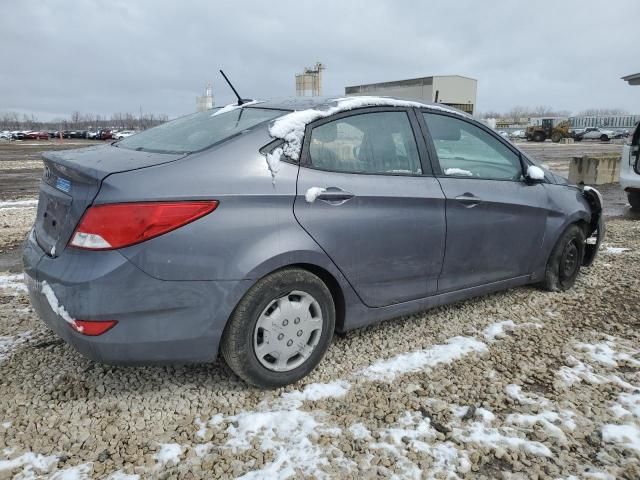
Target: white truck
[[630, 169]]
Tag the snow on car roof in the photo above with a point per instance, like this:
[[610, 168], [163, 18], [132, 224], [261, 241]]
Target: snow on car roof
[[290, 127]]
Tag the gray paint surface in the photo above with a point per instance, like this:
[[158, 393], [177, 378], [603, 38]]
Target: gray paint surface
[[401, 244]]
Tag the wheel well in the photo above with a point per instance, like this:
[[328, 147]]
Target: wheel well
[[333, 286], [586, 228]]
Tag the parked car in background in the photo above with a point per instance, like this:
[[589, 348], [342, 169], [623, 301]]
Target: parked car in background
[[5, 135], [630, 168], [37, 135], [595, 133], [18, 135], [503, 134], [518, 134], [104, 135], [91, 134], [259, 230], [124, 134]]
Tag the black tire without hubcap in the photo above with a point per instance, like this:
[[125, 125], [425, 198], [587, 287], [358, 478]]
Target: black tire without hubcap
[[634, 200], [280, 330], [565, 260]]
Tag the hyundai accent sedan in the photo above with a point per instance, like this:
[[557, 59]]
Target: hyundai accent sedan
[[258, 230]]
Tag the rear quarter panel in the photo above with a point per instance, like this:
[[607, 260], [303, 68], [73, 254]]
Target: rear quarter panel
[[253, 230]]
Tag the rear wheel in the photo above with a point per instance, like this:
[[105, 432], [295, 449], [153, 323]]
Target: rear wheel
[[556, 137], [634, 200], [565, 260], [280, 330], [538, 137], [604, 138]]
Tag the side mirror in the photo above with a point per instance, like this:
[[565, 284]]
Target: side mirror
[[534, 174]]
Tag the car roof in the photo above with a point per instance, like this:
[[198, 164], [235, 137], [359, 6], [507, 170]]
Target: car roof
[[320, 103]]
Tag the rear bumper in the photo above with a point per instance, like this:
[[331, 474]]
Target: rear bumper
[[158, 321]]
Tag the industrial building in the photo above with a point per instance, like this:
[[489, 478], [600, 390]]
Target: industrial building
[[205, 102], [452, 90], [632, 79], [309, 82]]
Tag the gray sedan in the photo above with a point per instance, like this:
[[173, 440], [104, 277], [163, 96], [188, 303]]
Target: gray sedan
[[258, 230]]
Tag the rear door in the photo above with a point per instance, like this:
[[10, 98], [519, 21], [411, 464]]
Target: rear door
[[495, 220], [366, 195]]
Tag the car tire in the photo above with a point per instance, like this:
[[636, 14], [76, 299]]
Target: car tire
[[565, 260], [634, 200], [556, 137], [244, 334], [604, 138]]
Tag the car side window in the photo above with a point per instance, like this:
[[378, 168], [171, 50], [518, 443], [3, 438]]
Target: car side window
[[465, 150], [377, 142]]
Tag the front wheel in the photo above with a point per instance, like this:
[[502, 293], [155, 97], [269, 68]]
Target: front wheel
[[604, 138], [634, 200], [565, 260], [280, 330]]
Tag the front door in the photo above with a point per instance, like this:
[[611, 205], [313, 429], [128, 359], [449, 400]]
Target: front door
[[495, 220], [364, 197]]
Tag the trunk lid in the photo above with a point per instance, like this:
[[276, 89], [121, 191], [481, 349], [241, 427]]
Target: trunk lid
[[70, 182]]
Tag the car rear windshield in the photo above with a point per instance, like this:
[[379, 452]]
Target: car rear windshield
[[198, 131]]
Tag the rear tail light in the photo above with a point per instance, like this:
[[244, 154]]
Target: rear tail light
[[92, 328], [118, 225]]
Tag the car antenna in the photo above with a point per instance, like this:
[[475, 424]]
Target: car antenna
[[241, 101]]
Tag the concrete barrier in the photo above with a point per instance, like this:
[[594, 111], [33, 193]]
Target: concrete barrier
[[595, 170]]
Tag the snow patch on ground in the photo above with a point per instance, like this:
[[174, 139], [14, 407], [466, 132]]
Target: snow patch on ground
[[414, 433], [29, 462], [122, 476], [616, 250], [14, 282], [15, 204], [290, 127], [290, 435], [627, 436], [318, 391], [455, 348], [10, 343], [499, 330], [79, 472], [605, 354], [169, 452], [213, 421], [359, 431]]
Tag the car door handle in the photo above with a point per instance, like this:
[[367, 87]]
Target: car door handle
[[469, 200], [334, 195]]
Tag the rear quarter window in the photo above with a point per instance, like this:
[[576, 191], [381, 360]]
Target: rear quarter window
[[198, 131]]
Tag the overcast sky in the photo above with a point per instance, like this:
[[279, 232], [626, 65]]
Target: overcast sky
[[119, 55]]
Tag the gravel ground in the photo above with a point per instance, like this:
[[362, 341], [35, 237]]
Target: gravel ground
[[520, 384]]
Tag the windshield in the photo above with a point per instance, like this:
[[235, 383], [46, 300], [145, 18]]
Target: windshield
[[197, 131]]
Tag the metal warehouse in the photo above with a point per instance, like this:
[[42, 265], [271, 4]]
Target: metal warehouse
[[609, 121], [452, 90]]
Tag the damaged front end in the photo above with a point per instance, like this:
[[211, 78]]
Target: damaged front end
[[595, 235]]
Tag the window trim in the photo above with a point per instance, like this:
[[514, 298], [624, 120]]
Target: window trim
[[423, 153], [437, 169]]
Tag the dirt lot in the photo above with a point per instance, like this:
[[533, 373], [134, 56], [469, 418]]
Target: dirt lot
[[520, 384]]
